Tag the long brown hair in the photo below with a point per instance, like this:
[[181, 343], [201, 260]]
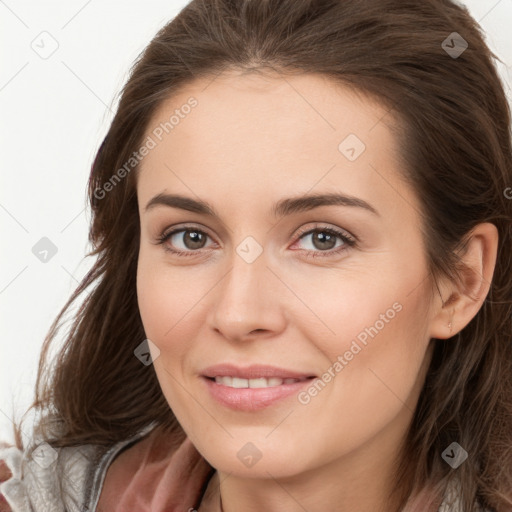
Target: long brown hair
[[456, 148]]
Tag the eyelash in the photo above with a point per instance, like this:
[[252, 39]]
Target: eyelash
[[348, 241]]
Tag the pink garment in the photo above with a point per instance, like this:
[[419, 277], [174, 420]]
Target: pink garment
[[154, 476]]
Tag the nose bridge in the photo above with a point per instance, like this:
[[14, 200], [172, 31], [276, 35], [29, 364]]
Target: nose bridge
[[246, 299]]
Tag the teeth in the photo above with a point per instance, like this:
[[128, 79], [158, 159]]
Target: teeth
[[236, 382]]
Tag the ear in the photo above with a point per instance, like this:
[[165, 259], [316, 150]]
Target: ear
[[458, 304]]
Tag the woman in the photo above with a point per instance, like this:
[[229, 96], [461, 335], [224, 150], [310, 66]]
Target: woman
[[302, 294]]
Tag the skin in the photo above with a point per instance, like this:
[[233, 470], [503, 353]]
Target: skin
[[251, 141]]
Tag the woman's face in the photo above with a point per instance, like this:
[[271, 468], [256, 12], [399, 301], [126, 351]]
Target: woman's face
[[278, 284]]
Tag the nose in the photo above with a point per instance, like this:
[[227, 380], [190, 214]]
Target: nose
[[248, 301]]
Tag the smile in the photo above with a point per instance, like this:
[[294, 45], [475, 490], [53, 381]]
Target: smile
[[239, 383]]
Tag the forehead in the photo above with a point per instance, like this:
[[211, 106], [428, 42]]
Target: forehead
[[278, 110], [257, 132]]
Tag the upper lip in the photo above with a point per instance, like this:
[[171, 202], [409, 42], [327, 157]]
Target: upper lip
[[255, 371]]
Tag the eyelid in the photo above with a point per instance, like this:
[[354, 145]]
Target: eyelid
[[323, 226], [186, 227]]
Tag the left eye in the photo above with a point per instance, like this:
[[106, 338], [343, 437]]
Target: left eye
[[324, 240]]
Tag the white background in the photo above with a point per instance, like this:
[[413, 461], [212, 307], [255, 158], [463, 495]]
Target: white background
[[55, 112]]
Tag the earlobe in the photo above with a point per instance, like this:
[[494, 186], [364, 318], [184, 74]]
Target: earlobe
[[465, 297], [443, 325]]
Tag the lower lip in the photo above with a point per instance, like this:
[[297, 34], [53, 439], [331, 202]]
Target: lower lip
[[252, 399]]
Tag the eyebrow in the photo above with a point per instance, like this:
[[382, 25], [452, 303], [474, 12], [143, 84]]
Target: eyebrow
[[282, 208]]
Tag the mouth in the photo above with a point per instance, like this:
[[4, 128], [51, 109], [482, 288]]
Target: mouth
[[258, 383], [253, 388]]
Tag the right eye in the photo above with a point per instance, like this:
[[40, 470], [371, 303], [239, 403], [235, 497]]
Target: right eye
[[191, 239]]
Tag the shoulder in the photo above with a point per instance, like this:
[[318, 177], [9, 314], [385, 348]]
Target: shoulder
[[53, 479], [35, 481], [152, 470]]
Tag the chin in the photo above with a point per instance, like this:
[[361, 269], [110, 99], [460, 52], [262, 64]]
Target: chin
[[256, 459]]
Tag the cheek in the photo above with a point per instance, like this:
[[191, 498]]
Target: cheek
[[377, 367], [385, 310], [152, 302], [379, 339], [386, 328], [171, 301], [159, 302], [168, 317]]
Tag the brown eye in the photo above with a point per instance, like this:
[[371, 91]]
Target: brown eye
[[325, 239], [325, 242], [185, 241], [193, 239]]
